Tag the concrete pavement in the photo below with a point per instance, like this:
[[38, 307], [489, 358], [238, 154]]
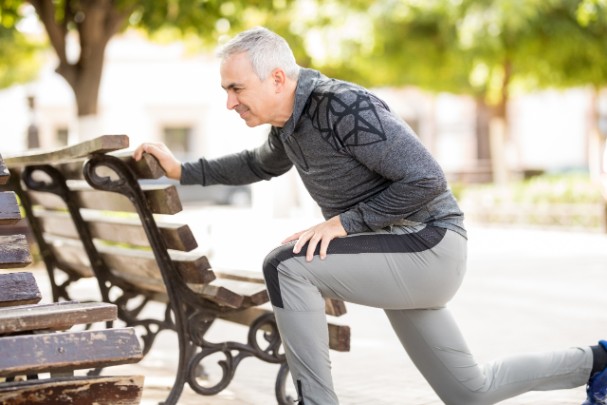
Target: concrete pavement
[[526, 290]]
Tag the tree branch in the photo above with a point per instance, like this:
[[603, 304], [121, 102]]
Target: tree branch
[[56, 33]]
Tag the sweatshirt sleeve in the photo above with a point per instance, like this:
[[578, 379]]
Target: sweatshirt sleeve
[[249, 166], [386, 145]]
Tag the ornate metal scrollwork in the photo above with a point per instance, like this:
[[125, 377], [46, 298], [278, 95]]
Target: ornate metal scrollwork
[[266, 324]]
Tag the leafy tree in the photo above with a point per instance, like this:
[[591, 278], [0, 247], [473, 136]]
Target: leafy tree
[[92, 23], [484, 48]]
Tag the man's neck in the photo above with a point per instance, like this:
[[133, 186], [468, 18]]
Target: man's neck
[[287, 105]]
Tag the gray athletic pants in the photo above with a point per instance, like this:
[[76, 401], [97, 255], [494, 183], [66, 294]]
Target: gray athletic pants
[[411, 275]]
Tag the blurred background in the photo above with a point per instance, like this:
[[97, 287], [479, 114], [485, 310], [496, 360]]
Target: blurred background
[[509, 95]]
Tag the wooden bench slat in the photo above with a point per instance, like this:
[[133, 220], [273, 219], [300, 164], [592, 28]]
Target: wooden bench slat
[[70, 258], [9, 208], [253, 293], [339, 335], [118, 390], [163, 199], [333, 307], [66, 351], [18, 289], [145, 168], [55, 316], [193, 267], [101, 144], [119, 229], [14, 251]]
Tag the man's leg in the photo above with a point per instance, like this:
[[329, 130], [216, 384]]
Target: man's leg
[[385, 270], [436, 346]]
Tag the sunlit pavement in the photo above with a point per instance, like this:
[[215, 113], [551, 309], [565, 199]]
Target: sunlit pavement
[[526, 290]]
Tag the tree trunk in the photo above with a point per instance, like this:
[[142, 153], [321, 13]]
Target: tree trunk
[[96, 21], [498, 128], [483, 116]]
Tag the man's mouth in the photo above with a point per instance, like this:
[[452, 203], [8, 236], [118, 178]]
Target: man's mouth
[[242, 112]]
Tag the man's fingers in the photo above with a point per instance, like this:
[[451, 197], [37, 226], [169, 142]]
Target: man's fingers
[[138, 152], [324, 245], [304, 237], [312, 243]]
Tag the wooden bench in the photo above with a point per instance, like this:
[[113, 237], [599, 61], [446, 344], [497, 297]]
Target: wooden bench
[[92, 216], [34, 338]]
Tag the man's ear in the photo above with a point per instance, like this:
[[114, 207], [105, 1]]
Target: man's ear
[[279, 78]]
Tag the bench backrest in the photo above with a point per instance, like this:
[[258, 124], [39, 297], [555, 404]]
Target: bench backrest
[[92, 218]]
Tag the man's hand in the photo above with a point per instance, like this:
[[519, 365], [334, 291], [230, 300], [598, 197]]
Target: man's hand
[[324, 233], [170, 164]]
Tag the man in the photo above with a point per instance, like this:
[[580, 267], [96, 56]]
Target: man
[[393, 238]]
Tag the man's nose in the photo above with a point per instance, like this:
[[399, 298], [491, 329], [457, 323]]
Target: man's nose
[[232, 101]]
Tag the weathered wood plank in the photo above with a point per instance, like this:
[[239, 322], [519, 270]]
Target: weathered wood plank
[[67, 351], [4, 174], [18, 289], [14, 251], [163, 199], [119, 390], [9, 208], [332, 306], [253, 293], [71, 259], [335, 307], [102, 144], [339, 335], [55, 316], [118, 228], [193, 267], [146, 168]]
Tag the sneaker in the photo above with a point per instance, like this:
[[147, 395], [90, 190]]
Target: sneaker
[[596, 389]]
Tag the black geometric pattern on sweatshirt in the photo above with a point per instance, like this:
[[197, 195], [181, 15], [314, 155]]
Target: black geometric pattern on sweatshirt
[[356, 123]]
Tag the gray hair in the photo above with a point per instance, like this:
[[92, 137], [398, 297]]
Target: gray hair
[[266, 50]]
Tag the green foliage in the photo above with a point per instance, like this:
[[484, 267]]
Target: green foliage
[[205, 22], [20, 58], [570, 188], [479, 47], [486, 48], [569, 200]]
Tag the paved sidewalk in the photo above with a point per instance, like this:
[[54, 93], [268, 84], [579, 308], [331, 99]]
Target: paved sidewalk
[[526, 290]]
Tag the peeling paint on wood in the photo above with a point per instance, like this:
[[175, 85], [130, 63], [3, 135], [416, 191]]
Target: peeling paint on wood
[[14, 252], [18, 289], [120, 390]]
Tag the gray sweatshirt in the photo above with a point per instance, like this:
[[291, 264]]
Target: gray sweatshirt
[[356, 158]]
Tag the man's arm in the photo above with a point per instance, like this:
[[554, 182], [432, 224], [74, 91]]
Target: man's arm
[[249, 166]]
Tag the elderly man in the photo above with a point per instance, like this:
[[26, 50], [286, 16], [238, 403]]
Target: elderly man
[[393, 238]]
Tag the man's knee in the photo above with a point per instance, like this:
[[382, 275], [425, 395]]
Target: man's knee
[[270, 272]]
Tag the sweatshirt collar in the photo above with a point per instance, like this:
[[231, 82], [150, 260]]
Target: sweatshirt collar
[[306, 82]]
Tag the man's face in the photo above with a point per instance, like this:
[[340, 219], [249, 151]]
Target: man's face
[[249, 96]]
